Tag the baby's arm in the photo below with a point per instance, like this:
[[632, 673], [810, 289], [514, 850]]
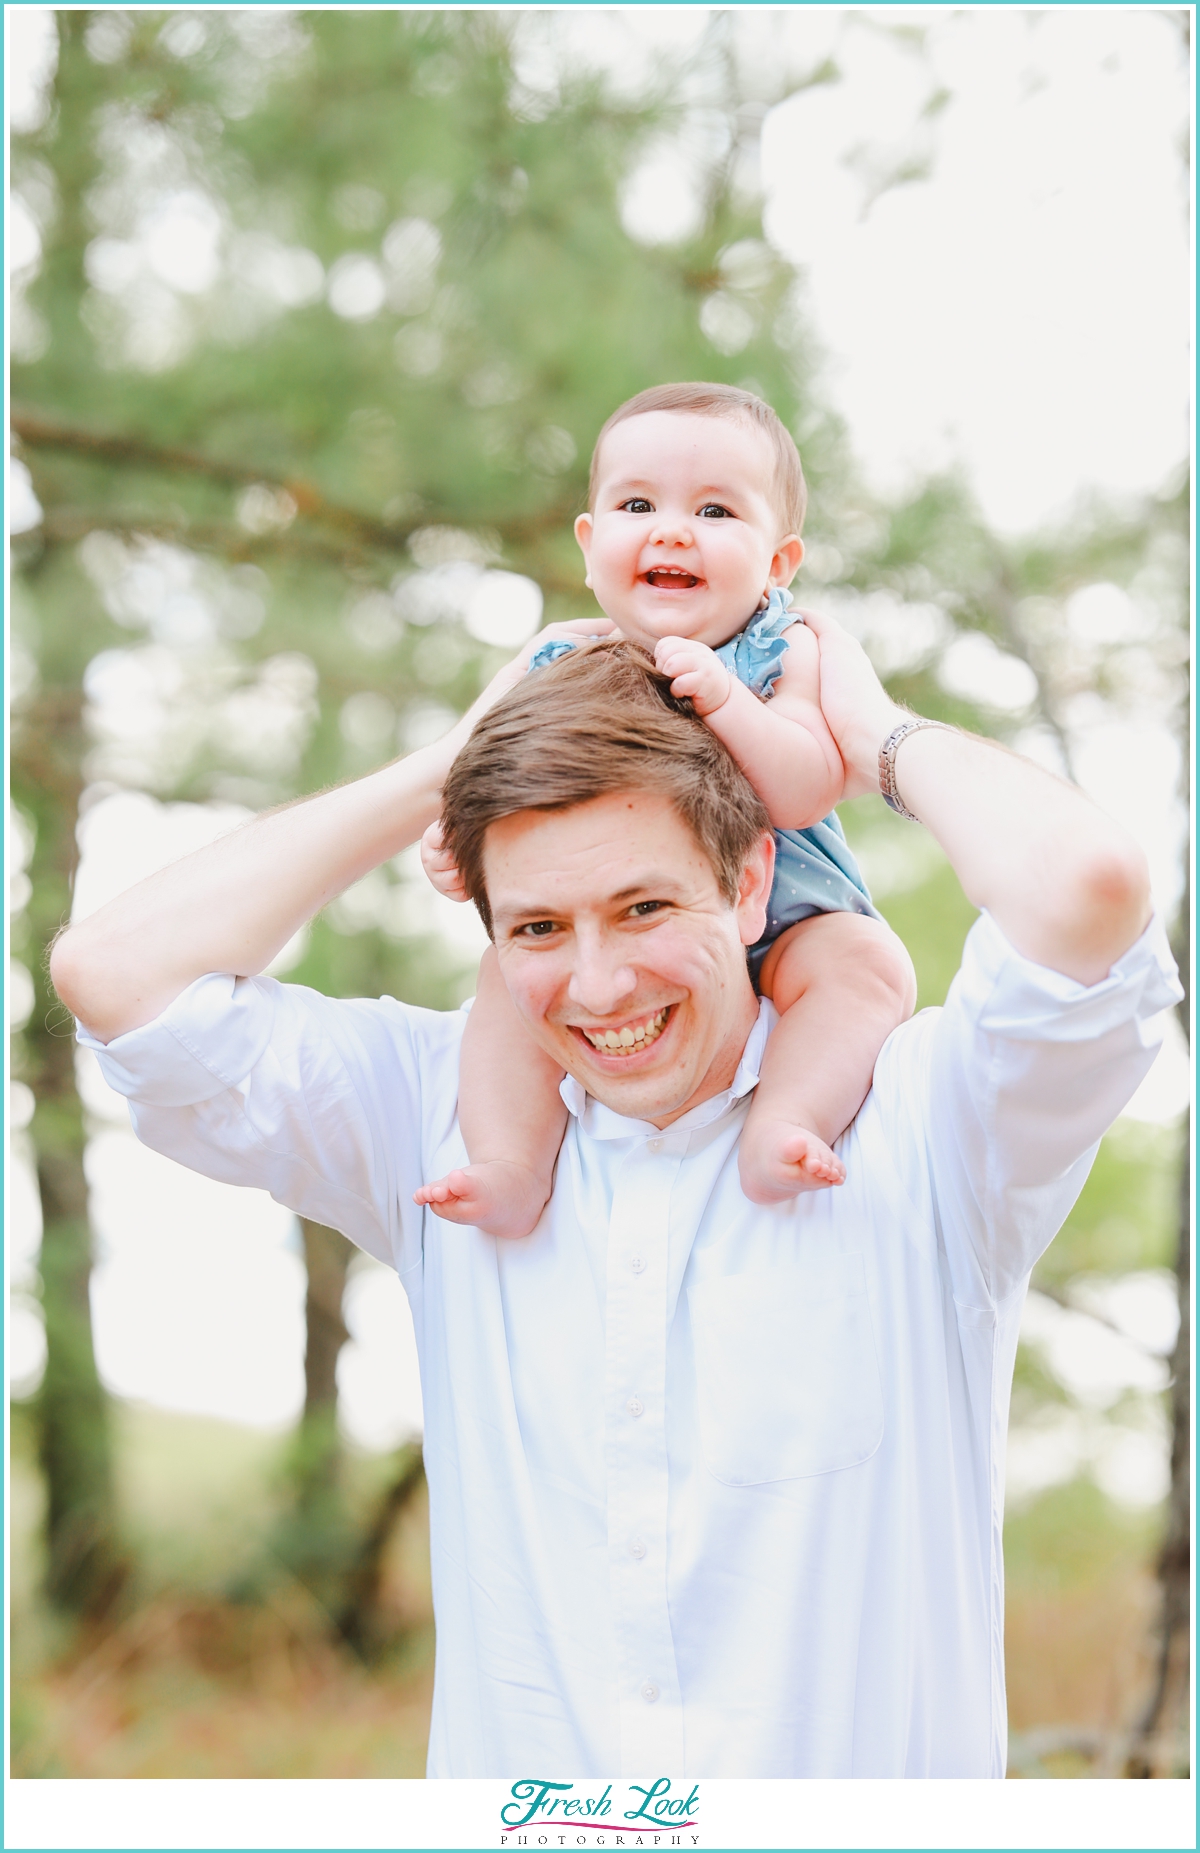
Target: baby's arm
[[511, 1116], [841, 983], [783, 745]]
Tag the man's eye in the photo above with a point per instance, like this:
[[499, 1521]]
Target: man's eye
[[537, 929], [714, 509], [637, 505], [641, 910]]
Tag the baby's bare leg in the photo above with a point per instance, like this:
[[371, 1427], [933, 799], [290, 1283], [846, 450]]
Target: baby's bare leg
[[511, 1115], [841, 983]]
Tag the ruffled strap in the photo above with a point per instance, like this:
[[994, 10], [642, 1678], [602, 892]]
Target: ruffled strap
[[755, 656], [549, 652]]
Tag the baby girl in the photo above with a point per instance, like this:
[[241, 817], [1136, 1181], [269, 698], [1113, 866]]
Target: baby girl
[[691, 537]]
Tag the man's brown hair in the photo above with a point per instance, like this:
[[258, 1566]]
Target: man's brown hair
[[714, 401], [600, 720]]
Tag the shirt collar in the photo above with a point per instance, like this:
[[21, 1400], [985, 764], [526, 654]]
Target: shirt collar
[[600, 1122]]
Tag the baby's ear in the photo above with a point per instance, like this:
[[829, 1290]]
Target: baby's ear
[[583, 534], [786, 563]]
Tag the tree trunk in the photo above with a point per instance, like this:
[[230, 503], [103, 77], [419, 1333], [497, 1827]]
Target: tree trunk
[[359, 1622], [84, 1567], [315, 1537], [327, 1257], [1165, 1716], [84, 1564]]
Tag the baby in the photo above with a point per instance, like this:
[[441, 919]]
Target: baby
[[692, 535]]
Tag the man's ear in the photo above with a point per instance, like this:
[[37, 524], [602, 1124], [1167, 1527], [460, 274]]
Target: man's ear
[[583, 534], [754, 889], [786, 563]]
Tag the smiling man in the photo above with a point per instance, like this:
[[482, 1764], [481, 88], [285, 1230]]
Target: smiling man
[[715, 1488]]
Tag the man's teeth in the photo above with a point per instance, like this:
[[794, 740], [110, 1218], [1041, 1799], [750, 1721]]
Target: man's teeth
[[632, 1036]]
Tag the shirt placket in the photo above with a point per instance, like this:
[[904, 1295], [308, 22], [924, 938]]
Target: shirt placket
[[651, 1712]]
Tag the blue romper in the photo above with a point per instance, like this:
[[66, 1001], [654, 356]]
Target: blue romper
[[815, 872]]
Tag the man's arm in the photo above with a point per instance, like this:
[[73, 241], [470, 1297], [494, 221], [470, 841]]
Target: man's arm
[[1068, 887], [996, 1102], [231, 906]]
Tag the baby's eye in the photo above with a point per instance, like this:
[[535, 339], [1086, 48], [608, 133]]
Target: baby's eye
[[637, 505], [715, 510]]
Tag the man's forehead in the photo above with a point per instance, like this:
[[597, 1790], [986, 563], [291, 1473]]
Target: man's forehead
[[610, 847]]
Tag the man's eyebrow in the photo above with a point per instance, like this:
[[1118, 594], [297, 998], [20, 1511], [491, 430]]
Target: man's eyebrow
[[653, 884]]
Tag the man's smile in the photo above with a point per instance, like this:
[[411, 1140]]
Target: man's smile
[[629, 1038]]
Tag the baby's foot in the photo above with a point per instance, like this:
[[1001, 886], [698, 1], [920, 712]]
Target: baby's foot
[[778, 1160], [498, 1197]]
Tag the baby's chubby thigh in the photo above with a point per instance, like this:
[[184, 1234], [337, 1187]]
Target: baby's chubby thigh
[[852, 956]]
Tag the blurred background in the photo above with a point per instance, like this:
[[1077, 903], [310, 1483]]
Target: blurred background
[[314, 316]]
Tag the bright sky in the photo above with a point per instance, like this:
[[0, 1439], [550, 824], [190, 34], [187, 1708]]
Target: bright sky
[[1026, 309], [1023, 310]]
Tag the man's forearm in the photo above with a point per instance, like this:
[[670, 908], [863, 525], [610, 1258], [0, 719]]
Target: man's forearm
[[231, 906], [1068, 886]]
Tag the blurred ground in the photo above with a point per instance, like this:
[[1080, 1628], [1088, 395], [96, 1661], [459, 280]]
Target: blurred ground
[[194, 1683], [191, 1681]]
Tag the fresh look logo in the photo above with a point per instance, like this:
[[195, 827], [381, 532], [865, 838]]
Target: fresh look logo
[[571, 1814]]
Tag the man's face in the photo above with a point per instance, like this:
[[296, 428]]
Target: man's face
[[620, 951], [684, 538]]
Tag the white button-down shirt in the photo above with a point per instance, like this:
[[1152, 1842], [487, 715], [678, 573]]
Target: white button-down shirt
[[716, 1490]]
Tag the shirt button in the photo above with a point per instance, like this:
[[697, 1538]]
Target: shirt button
[[635, 1405], [655, 1145], [649, 1692], [638, 1263], [636, 1548]]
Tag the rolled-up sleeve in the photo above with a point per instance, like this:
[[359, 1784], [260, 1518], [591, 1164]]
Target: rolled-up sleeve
[[329, 1104], [1009, 1089]]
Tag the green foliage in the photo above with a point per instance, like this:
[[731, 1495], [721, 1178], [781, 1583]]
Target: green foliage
[[1075, 1535], [1127, 1214]]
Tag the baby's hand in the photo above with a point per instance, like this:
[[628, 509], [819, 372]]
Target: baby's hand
[[695, 671], [440, 866]]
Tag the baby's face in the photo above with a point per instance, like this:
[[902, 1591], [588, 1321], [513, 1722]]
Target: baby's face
[[684, 538]]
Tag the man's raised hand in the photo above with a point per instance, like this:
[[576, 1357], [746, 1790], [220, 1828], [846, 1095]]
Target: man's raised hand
[[858, 709], [440, 866]]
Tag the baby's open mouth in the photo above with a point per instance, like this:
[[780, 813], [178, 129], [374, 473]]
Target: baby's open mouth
[[630, 1037], [670, 578]]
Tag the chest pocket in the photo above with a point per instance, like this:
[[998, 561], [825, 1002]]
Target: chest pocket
[[787, 1371]]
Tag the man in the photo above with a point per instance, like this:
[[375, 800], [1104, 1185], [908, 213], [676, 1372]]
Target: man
[[715, 1489]]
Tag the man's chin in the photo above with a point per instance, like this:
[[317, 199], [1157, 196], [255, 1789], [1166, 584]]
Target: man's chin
[[633, 1097]]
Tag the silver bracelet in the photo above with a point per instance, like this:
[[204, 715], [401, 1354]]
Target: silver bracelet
[[887, 763]]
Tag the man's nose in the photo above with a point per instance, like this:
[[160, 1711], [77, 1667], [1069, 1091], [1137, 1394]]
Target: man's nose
[[600, 978]]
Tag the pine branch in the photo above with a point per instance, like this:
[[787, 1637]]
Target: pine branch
[[64, 527], [366, 531]]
